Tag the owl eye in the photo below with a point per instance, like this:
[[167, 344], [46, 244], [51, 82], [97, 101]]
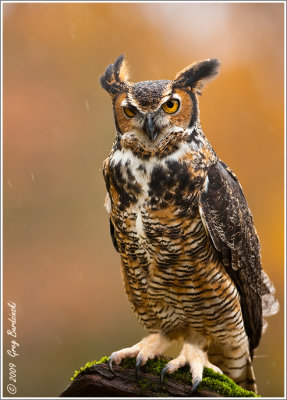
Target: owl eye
[[129, 112], [171, 106]]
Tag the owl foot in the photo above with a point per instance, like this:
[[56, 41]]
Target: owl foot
[[196, 358], [150, 347]]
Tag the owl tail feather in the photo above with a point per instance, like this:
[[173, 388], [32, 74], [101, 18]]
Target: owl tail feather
[[235, 362], [270, 304]]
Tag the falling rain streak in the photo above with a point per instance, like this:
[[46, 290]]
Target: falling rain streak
[[72, 34], [87, 105]]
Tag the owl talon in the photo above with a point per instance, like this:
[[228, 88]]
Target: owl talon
[[163, 373], [195, 385], [110, 364], [139, 363]]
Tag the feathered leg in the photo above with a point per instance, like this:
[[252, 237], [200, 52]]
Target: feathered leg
[[235, 362], [193, 354]]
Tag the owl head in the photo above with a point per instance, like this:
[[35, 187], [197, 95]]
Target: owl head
[[151, 109]]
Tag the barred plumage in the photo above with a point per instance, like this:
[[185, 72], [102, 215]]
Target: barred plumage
[[190, 253]]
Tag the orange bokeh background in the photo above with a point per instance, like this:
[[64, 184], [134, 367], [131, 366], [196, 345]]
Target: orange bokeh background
[[59, 264]]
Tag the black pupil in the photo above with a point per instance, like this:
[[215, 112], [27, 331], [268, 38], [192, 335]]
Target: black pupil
[[170, 104]]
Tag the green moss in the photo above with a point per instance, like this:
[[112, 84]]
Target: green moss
[[128, 363], [89, 365], [155, 366], [224, 385], [144, 383], [218, 383]]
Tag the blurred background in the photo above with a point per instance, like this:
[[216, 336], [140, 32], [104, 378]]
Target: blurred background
[[60, 267]]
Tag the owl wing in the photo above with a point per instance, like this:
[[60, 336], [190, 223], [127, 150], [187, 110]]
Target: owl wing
[[228, 220], [113, 236], [108, 206]]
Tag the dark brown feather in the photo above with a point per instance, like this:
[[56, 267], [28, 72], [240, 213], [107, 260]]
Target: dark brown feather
[[196, 74], [111, 79], [113, 236], [230, 225]]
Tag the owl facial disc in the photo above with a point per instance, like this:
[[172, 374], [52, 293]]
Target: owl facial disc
[[148, 111]]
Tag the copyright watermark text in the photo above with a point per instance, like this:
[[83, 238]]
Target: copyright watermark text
[[13, 349]]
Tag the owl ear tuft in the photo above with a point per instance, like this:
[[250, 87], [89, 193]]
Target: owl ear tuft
[[115, 77], [195, 75]]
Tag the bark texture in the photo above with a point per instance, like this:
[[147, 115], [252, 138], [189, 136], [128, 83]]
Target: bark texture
[[99, 381]]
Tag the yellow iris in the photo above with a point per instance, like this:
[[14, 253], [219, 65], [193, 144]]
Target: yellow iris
[[129, 112], [171, 106]]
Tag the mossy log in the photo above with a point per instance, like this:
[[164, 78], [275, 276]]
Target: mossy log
[[96, 380]]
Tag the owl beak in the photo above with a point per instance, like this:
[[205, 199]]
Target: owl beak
[[149, 127]]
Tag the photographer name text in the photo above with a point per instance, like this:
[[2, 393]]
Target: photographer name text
[[12, 351]]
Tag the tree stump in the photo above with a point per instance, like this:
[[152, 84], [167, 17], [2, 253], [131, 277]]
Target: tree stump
[[96, 380]]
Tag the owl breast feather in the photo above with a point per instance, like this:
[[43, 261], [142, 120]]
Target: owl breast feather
[[166, 253], [154, 198]]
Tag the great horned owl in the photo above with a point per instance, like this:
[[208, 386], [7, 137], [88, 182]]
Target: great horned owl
[[178, 217]]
